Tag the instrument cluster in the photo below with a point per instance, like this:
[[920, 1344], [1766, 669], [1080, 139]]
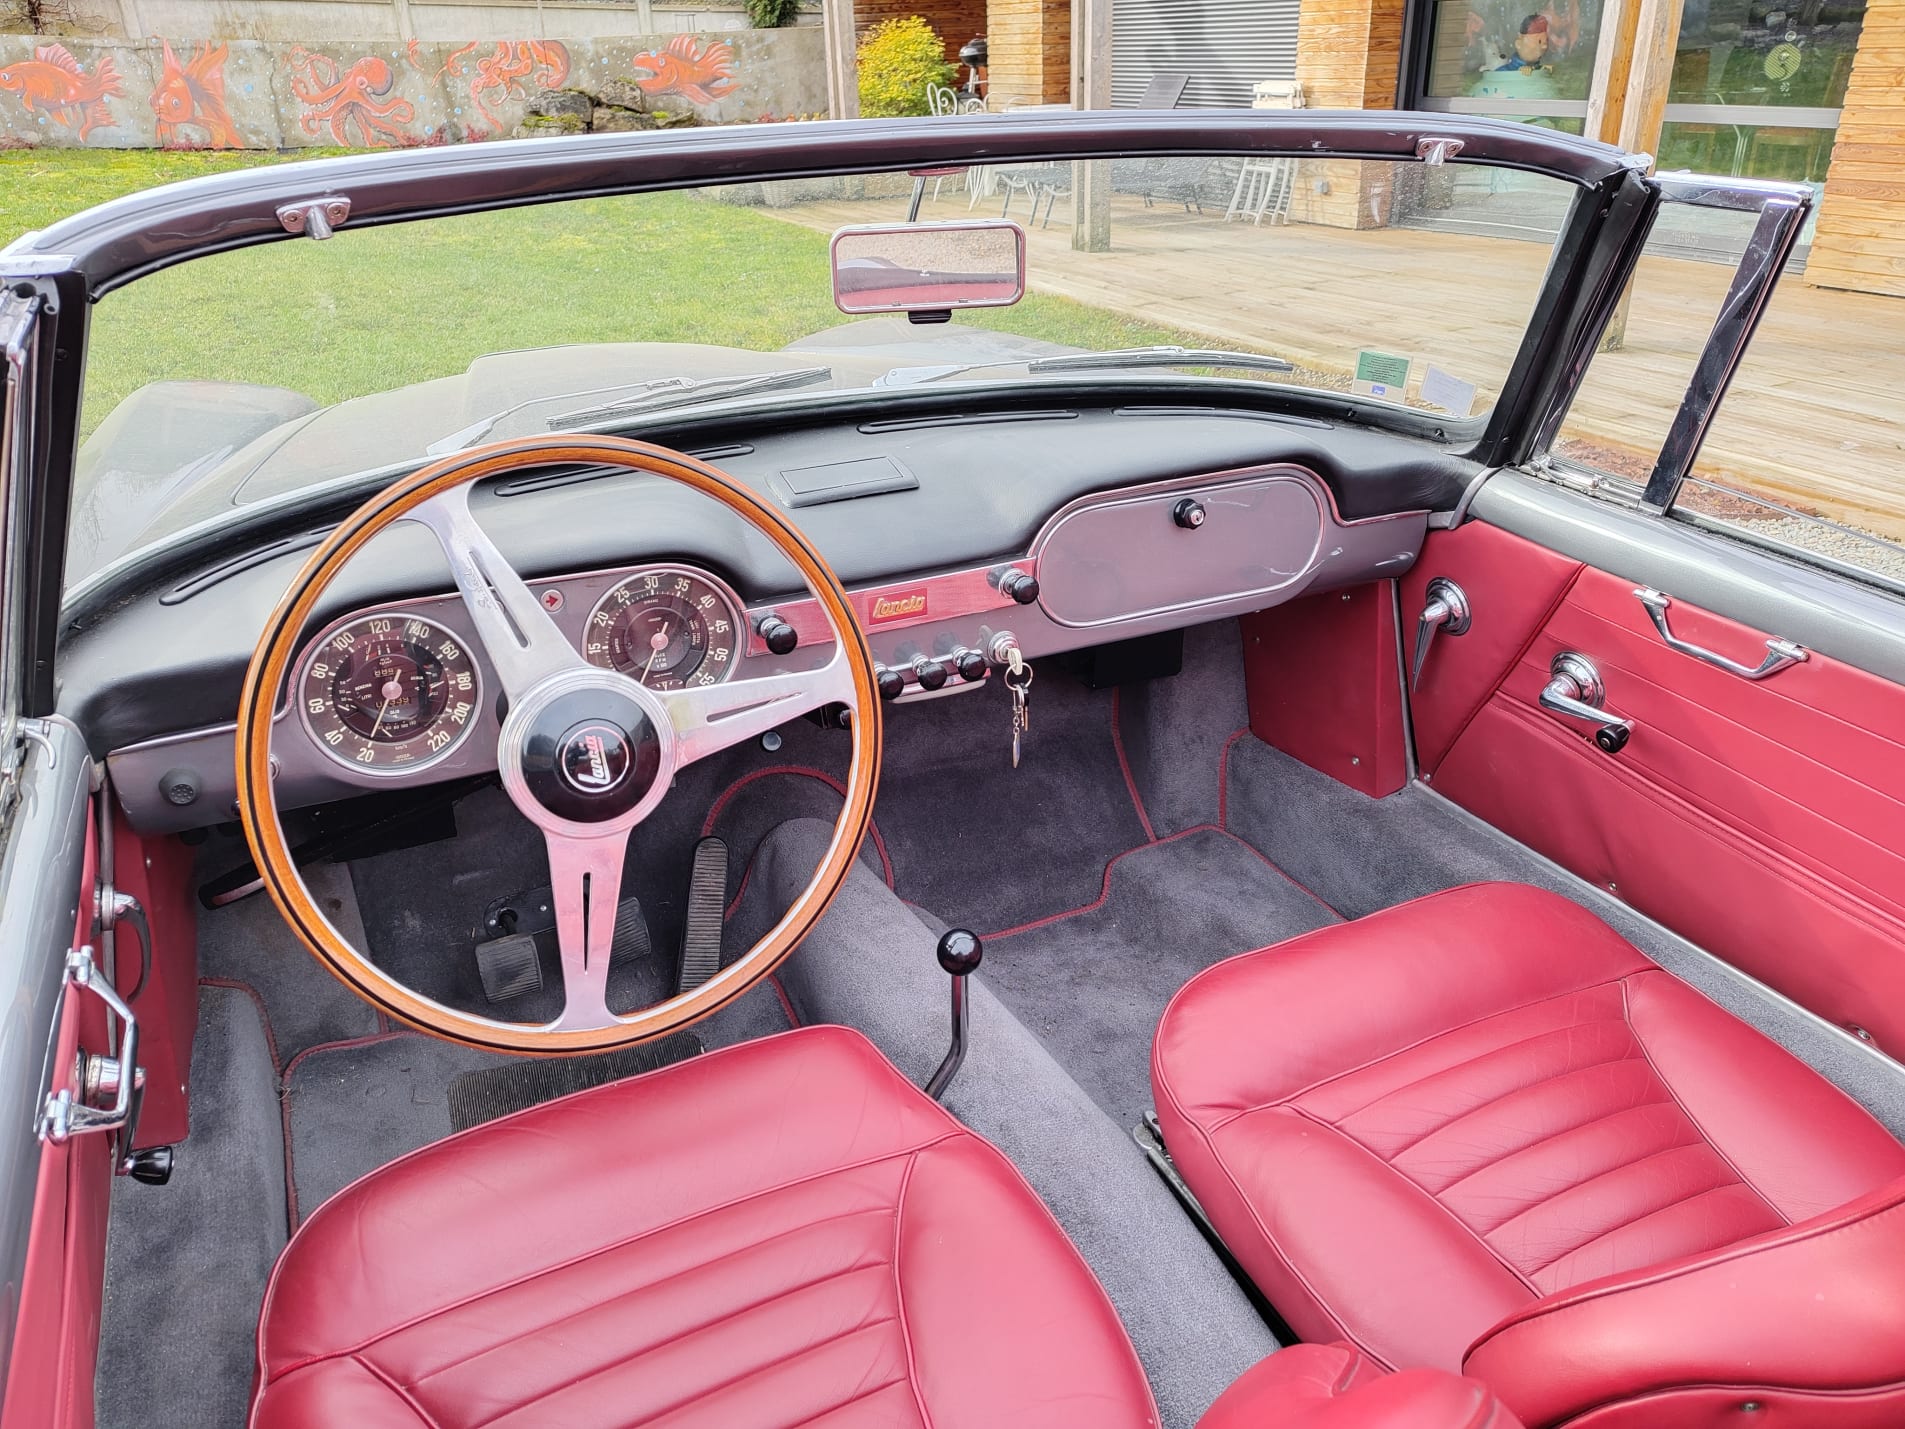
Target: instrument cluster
[[395, 691]]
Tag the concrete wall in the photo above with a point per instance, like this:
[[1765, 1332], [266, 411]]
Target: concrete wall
[[309, 21], [252, 94]]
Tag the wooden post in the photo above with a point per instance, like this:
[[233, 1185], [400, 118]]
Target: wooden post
[[843, 71], [1613, 63], [1091, 89], [1649, 58]]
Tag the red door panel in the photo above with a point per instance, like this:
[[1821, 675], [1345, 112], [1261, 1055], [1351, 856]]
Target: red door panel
[[56, 1336], [1762, 819]]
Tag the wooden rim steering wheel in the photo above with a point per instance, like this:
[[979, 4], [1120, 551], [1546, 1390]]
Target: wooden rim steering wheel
[[553, 693]]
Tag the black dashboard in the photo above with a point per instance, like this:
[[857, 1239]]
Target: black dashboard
[[939, 524]]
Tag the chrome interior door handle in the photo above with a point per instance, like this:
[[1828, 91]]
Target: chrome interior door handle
[[1447, 611], [1779, 653], [1574, 689]]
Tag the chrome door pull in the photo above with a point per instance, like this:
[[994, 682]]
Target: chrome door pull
[[1447, 611], [1574, 689], [1779, 653]]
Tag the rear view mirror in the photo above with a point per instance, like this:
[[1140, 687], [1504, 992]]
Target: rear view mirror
[[932, 267]]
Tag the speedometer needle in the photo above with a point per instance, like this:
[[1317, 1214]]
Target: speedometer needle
[[657, 643], [391, 691]]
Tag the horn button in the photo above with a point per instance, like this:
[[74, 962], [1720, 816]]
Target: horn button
[[591, 755]]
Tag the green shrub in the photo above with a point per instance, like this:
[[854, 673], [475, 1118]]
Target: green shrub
[[771, 14], [898, 59]]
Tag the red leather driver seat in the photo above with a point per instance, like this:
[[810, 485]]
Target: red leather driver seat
[[784, 1232], [1481, 1132]]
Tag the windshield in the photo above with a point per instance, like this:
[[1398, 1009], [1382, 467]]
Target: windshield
[[263, 371]]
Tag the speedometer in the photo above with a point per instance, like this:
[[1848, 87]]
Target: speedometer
[[387, 694], [667, 627]]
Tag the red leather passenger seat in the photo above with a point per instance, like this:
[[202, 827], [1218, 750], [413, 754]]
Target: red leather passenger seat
[[784, 1232], [1486, 1109]]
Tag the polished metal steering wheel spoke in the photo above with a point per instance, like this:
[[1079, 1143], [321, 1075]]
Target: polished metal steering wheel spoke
[[585, 879], [523, 643], [707, 719]]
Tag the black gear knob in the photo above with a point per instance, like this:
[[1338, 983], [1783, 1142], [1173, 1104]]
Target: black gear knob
[[959, 951]]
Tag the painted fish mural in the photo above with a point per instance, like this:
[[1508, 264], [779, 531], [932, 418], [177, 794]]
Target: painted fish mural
[[700, 76], [56, 84], [359, 95], [192, 96]]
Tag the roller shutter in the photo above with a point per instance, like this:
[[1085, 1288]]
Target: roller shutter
[[1225, 46]]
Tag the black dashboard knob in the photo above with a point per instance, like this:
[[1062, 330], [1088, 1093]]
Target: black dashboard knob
[[959, 951], [1188, 513], [931, 674], [1017, 584], [891, 683], [972, 665], [777, 634]]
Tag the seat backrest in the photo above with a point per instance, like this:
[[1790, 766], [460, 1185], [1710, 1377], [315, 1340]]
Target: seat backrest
[[1164, 91], [1805, 1323]]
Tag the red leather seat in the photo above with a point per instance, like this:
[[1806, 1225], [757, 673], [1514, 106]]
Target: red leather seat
[[1484, 1116], [784, 1232], [1337, 1387]]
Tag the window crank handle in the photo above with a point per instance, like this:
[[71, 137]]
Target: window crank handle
[[1574, 689]]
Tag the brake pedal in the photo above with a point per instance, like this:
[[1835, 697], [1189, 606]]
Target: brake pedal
[[707, 893]]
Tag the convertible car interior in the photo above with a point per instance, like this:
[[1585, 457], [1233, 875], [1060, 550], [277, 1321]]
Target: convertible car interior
[[970, 848]]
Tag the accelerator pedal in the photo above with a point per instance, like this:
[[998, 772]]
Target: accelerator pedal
[[707, 895], [510, 964]]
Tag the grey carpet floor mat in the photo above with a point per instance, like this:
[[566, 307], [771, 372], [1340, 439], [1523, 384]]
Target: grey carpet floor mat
[[491, 1092], [1093, 984], [186, 1263]]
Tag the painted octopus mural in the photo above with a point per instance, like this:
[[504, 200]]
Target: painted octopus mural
[[504, 74], [57, 85], [342, 97], [191, 96], [699, 75]]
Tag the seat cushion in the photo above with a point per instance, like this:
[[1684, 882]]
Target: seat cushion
[[784, 1232], [1336, 1387], [1411, 1126]]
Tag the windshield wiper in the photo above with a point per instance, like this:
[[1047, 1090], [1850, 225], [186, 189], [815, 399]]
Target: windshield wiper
[[1123, 357], [673, 391], [650, 391]]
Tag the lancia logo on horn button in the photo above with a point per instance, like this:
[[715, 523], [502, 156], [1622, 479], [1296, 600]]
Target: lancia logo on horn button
[[594, 758]]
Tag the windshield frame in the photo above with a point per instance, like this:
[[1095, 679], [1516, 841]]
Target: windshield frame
[[93, 253]]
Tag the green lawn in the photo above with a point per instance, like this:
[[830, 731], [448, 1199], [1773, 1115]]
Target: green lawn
[[378, 308]]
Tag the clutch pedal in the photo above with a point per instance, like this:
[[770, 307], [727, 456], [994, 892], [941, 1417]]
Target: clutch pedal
[[707, 893]]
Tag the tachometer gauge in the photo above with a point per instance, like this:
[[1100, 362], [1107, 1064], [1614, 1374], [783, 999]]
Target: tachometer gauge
[[389, 694], [666, 627]]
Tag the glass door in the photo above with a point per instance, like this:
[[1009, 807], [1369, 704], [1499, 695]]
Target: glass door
[[1757, 87]]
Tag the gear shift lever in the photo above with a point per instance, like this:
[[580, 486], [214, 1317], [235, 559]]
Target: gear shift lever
[[959, 953]]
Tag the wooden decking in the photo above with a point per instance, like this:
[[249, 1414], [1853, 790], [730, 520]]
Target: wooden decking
[[1816, 418]]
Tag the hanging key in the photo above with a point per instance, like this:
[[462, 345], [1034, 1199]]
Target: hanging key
[[1018, 684]]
